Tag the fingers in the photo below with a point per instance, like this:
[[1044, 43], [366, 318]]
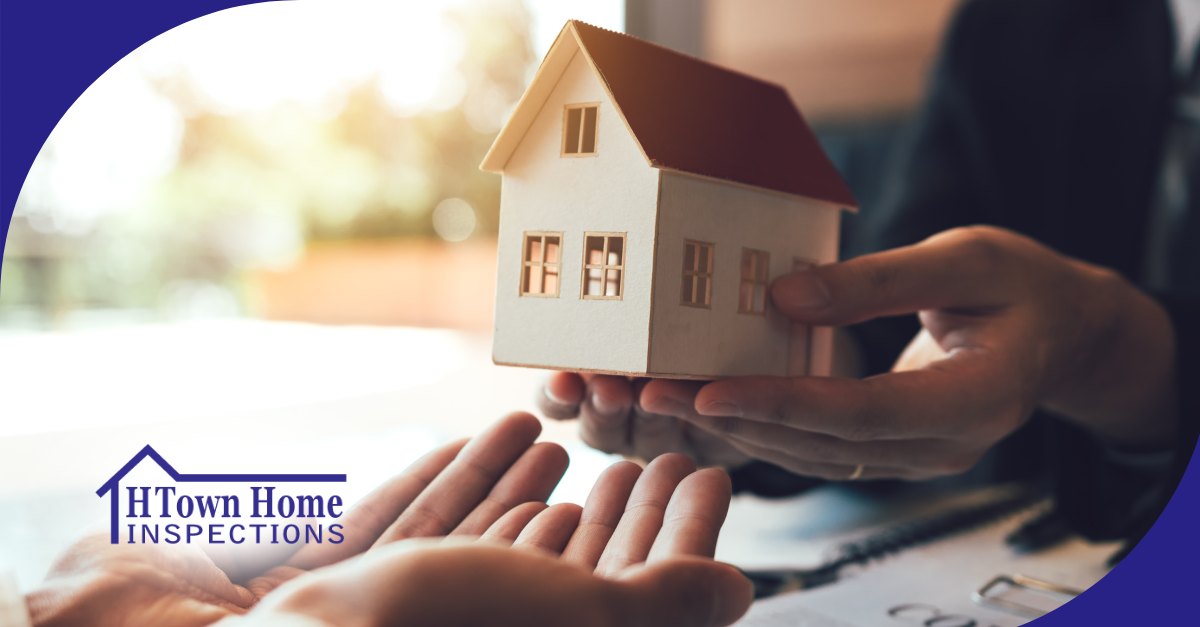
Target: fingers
[[677, 399], [605, 414], [448, 498], [510, 525], [955, 269], [601, 514], [683, 591], [477, 584], [694, 516], [561, 395], [656, 429], [550, 530], [831, 472], [531, 478], [821, 448], [643, 516], [938, 401], [367, 520]]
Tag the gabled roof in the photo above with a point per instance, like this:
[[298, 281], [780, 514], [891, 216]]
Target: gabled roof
[[688, 115]]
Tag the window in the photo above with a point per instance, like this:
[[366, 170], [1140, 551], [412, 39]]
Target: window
[[753, 296], [579, 130], [697, 274], [541, 264], [603, 265]]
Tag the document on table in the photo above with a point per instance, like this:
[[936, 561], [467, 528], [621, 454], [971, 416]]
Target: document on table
[[934, 581]]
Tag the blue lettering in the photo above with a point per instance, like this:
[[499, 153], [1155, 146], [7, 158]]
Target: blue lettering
[[165, 512], [171, 530], [336, 530], [192, 534], [233, 539], [191, 507], [267, 500], [213, 529], [134, 500], [211, 506], [310, 507], [287, 506], [335, 501]]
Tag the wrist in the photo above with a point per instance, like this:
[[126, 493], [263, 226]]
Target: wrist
[[1120, 384]]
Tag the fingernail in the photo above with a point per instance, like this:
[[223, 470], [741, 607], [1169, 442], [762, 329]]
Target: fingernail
[[603, 405], [721, 408], [801, 290], [551, 396]]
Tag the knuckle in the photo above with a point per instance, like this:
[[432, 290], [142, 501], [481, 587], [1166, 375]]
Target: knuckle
[[820, 449], [983, 248], [879, 278], [862, 421], [604, 445], [777, 414], [729, 425], [654, 425]]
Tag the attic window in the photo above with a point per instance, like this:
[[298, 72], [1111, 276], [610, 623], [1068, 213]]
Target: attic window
[[697, 274], [603, 266], [753, 296], [541, 264], [579, 130]]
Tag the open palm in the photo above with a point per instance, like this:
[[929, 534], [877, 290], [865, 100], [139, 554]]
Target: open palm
[[492, 487]]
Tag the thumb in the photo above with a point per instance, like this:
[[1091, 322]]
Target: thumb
[[961, 268], [684, 591]]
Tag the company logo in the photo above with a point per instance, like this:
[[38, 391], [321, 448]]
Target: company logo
[[221, 508]]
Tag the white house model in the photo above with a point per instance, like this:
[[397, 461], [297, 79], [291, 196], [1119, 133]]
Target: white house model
[[648, 200]]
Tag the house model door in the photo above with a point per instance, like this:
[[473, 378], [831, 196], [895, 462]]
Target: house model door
[[800, 336]]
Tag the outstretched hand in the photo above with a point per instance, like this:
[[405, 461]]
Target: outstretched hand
[[638, 553], [460, 488], [493, 486]]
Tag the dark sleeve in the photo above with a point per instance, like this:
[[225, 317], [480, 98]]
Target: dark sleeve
[[944, 175], [929, 187], [937, 179], [1105, 497]]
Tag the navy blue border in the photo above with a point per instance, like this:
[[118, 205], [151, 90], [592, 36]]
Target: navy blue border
[[51, 51]]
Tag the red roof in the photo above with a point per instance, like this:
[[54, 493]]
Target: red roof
[[693, 116]]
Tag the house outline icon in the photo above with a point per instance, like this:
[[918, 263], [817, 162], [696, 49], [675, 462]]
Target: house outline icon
[[114, 482]]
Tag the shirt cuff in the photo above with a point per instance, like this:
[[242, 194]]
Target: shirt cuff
[[1156, 462]]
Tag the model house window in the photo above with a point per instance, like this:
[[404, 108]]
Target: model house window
[[579, 130], [753, 296], [603, 265], [697, 274], [541, 264]]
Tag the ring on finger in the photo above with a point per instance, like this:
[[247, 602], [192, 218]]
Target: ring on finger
[[858, 471]]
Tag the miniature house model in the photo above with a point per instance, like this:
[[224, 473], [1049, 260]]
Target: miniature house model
[[648, 199]]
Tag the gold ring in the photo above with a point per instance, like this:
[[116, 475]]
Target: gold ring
[[858, 470]]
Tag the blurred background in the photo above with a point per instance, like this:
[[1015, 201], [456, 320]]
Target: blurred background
[[262, 243], [317, 161]]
